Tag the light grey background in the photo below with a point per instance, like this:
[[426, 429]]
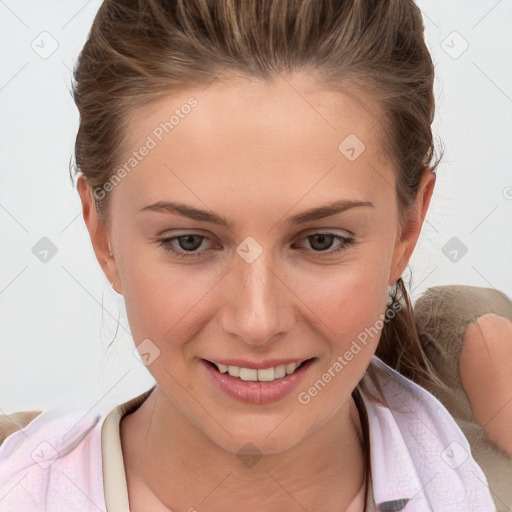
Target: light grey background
[[58, 317]]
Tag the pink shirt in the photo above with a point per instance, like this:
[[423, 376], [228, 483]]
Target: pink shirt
[[67, 461]]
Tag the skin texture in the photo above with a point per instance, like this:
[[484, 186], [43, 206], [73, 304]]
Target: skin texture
[[255, 153], [486, 369]]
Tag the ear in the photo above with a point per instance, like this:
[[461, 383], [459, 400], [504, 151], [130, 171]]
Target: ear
[[98, 232], [414, 218]]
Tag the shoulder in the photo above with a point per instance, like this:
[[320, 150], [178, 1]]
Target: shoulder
[[10, 423], [54, 461]]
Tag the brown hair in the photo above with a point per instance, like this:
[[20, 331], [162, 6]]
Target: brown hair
[[138, 51]]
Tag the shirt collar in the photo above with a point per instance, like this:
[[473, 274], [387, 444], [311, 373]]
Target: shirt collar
[[420, 459], [114, 476]]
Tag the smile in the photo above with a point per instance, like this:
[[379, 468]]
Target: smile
[[262, 375], [270, 382]]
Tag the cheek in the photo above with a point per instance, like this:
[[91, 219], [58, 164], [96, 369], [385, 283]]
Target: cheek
[[349, 317], [346, 301], [163, 300]]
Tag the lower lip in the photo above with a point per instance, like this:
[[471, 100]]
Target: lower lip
[[255, 392]]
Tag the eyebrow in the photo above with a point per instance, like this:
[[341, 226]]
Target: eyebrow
[[316, 213]]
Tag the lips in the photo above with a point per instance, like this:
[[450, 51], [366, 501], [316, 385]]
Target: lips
[[261, 385]]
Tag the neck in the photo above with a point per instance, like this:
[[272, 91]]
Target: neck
[[171, 465]]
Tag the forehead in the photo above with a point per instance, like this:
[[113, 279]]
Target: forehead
[[278, 137]]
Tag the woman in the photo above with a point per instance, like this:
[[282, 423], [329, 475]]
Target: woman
[[254, 177]]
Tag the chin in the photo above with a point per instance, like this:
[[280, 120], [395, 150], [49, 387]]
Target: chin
[[257, 445], [263, 436]]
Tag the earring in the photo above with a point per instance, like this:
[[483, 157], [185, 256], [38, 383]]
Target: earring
[[391, 294]]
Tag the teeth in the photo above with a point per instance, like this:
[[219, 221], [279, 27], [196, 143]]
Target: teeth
[[266, 375], [234, 371], [290, 368], [248, 374], [279, 371], [263, 375]]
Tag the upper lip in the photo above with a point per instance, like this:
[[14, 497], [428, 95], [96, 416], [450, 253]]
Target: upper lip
[[257, 365]]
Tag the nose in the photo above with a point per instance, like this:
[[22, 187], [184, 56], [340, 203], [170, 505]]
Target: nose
[[258, 303]]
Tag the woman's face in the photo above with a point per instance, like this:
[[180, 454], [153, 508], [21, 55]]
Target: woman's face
[[273, 266]]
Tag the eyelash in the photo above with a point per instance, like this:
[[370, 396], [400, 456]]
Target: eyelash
[[166, 243]]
